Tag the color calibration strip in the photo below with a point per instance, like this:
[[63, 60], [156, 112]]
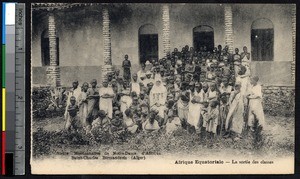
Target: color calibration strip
[[3, 140], [13, 89]]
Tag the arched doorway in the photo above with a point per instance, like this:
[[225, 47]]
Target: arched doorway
[[148, 43], [262, 40], [45, 48], [203, 35]]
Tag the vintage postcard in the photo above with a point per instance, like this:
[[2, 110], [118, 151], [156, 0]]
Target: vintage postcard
[[163, 88]]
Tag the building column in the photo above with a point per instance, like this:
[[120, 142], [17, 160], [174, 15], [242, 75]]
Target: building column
[[166, 28], [293, 67], [53, 71], [228, 27], [107, 66]]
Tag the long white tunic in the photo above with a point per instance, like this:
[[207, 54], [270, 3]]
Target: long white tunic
[[255, 106], [195, 108], [158, 97], [135, 86], [106, 103]]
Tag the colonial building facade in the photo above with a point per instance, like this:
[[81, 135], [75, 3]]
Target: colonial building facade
[[85, 41]]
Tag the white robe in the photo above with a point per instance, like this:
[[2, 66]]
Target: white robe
[[126, 102], [245, 86], [135, 86], [140, 74], [158, 95], [195, 109], [255, 107], [106, 103], [173, 125], [246, 63]]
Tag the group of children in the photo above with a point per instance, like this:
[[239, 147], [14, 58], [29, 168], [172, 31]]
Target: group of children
[[204, 92]]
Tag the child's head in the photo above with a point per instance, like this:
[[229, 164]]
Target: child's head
[[117, 114], [127, 112], [225, 81], [105, 83], [223, 99], [85, 86], [94, 83], [192, 86], [117, 72], [101, 114], [243, 70], [198, 87], [72, 100], [152, 116], [135, 100], [75, 84], [142, 95], [237, 86], [214, 104], [134, 77], [205, 87], [254, 80], [133, 94], [205, 104], [213, 86], [170, 104]]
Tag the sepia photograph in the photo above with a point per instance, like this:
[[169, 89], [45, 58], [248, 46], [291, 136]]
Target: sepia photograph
[[162, 88]]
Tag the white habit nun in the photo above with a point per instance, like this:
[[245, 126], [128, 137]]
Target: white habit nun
[[158, 97]]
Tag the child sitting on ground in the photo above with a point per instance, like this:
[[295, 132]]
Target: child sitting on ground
[[129, 123], [151, 125], [172, 122], [101, 123], [116, 122]]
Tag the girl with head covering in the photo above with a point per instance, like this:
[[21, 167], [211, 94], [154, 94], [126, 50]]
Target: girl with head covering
[[255, 111], [158, 97]]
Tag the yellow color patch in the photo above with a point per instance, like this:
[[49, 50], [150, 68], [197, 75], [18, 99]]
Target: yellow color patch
[[3, 109]]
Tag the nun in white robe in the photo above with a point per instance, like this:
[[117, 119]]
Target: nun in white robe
[[158, 97]]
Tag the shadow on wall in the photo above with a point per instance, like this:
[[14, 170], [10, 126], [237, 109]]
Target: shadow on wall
[[273, 72]]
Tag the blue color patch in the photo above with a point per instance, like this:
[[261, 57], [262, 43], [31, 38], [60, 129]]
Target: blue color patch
[[3, 22]]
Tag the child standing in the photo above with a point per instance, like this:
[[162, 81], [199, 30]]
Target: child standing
[[213, 119], [72, 111]]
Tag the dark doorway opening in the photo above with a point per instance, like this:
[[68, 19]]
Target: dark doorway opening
[[148, 47], [45, 49], [262, 40], [203, 36], [148, 43]]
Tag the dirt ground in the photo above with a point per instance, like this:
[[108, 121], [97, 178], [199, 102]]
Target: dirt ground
[[278, 140]]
